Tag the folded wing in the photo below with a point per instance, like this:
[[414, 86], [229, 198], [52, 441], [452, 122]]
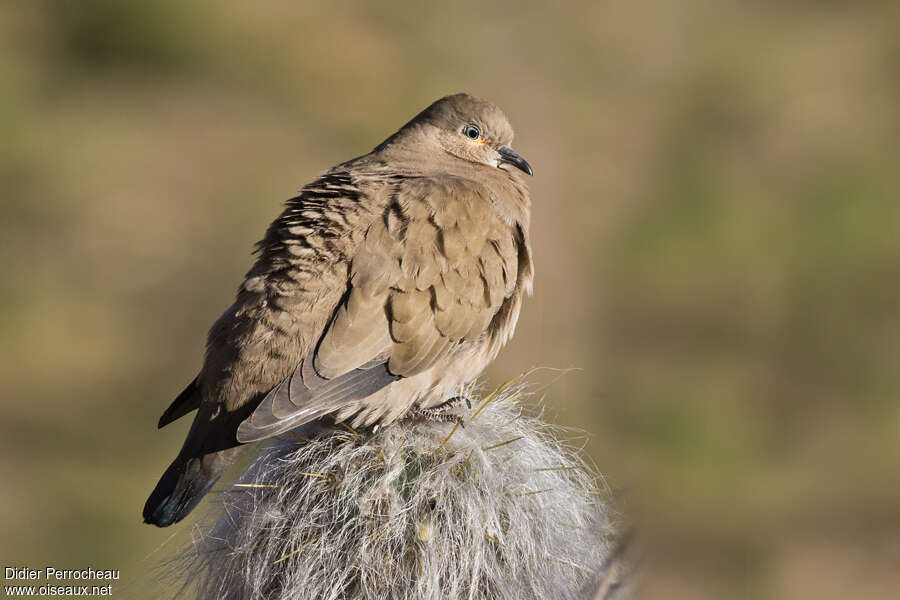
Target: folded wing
[[432, 272]]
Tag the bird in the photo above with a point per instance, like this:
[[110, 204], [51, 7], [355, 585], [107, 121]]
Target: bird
[[389, 282]]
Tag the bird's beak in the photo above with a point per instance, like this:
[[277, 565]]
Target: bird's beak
[[508, 155]]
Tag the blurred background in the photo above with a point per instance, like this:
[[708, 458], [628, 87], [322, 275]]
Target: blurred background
[[716, 231]]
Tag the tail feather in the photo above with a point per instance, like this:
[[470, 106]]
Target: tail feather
[[179, 490], [209, 449]]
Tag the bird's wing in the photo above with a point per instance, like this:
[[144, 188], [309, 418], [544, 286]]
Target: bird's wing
[[305, 396], [187, 401], [433, 270]]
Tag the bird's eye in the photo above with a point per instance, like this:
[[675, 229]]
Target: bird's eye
[[472, 132]]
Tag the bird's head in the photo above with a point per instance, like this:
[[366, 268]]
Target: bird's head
[[468, 128]]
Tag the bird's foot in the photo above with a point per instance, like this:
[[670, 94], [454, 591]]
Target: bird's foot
[[444, 412]]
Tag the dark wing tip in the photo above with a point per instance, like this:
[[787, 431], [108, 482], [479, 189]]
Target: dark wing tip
[[187, 400]]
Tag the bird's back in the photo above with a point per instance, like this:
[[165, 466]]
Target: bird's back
[[292, 290]]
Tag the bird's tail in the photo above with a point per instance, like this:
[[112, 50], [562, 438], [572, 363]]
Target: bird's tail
[[181, 488]]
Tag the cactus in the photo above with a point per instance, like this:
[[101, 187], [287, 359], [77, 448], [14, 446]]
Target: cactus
[[489, 506]]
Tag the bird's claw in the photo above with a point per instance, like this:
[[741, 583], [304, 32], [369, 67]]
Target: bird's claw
[[444, 412]]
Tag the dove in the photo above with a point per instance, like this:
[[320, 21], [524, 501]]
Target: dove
[[389, 282]]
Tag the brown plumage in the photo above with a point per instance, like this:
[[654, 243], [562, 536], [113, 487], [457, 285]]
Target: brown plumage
[[391, 280]]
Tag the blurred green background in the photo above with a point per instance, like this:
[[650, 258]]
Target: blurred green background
[[716, 230]]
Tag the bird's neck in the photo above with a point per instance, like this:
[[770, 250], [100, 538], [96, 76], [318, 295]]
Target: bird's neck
[[507, 188]]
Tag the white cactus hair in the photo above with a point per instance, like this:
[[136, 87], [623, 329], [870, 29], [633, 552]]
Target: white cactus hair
[[493, 508]]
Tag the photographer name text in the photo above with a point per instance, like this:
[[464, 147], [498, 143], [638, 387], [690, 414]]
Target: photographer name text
[[25, 573]]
